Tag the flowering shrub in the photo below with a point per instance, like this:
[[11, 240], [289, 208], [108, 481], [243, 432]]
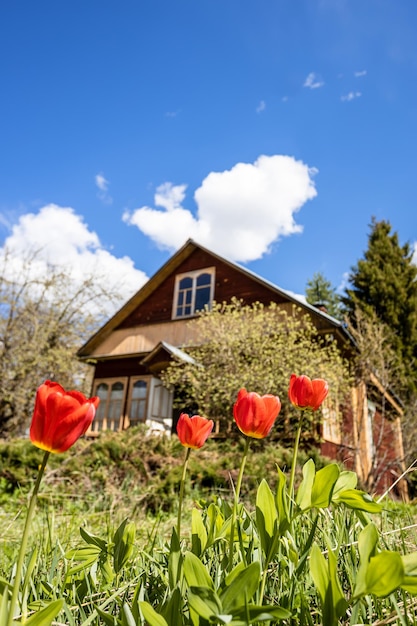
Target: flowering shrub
[[282, 559]]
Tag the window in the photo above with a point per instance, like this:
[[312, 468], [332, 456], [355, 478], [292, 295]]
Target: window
[[109, 415], [138, 398], [128, 401], [193, 292]]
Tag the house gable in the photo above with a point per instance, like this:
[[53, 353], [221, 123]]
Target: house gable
[[229, 282], [152, 306]]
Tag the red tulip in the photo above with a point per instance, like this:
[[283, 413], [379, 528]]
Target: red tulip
[[193, 431], [254, 414], [305, 393], [60, 417]]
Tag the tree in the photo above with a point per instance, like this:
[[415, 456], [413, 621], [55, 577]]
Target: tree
[[320, 291], [44, 318], [258, 348], [385, 282], [375, 359]]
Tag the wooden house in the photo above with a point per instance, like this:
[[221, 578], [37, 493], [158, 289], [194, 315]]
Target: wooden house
[[137, 343]]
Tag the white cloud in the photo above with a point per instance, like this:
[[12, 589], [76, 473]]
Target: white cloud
[[103, 186], [241, 212], [415, 253], [360, 73], [101, 182], [58, 237], [261, 106], [170, 196], [351, 96], [313, 81], [172, 113]]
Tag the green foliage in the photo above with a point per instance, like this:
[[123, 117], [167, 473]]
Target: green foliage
[[384, 283], [319, 292], [316, 558], [132, 471], [258, 348]]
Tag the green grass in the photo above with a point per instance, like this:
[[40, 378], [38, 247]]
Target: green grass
[[98, 484]]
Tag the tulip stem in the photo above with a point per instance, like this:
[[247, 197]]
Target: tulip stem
[[181, 496], [25, 537], [236, 501], [294, 464]]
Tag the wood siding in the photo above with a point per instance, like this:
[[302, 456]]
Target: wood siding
[[142, 339], [229, 283]]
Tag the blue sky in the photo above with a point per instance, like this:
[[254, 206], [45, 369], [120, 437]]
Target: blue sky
[[269, 130]]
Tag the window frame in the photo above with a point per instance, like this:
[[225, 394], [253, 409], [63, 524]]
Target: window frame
[[110, 381], [123, 422], [194, 274], [132, 380]]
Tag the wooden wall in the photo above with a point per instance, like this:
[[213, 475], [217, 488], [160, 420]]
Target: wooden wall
[[229, 282]]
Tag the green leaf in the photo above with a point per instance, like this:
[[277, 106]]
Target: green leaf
[[150, 615], [175, 560], [325, 578], [385, 573], [29, 569], [195, 572], [198, 533], [367, 543], [86, 557], [216, 521], [303, 498], [410, 584], [108, 618], [235, 572], [173, 609], [281, 500], [410, 563], [319, 571], [4, 606], [124, 540], [93, 540], [360, 500], [323, 485], [346, 480], [106, 568], [339, 603], [205, 602], [127, 616], [242, 588], [45, 616], [410, 570], [262, 613], [266, 516]]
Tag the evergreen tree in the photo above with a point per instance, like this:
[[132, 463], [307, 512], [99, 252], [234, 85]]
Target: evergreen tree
[[385, 282], [320, 291]]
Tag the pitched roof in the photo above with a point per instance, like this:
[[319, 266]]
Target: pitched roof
[[169, 268]]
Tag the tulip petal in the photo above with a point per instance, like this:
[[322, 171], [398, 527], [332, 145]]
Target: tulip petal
[[305, 393], [60, 417], [254, 414], [193, 431]]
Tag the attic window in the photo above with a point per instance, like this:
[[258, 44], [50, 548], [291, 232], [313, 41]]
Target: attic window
[[193, 292]]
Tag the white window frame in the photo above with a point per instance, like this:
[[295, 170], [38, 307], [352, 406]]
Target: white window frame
[[193, 275]]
